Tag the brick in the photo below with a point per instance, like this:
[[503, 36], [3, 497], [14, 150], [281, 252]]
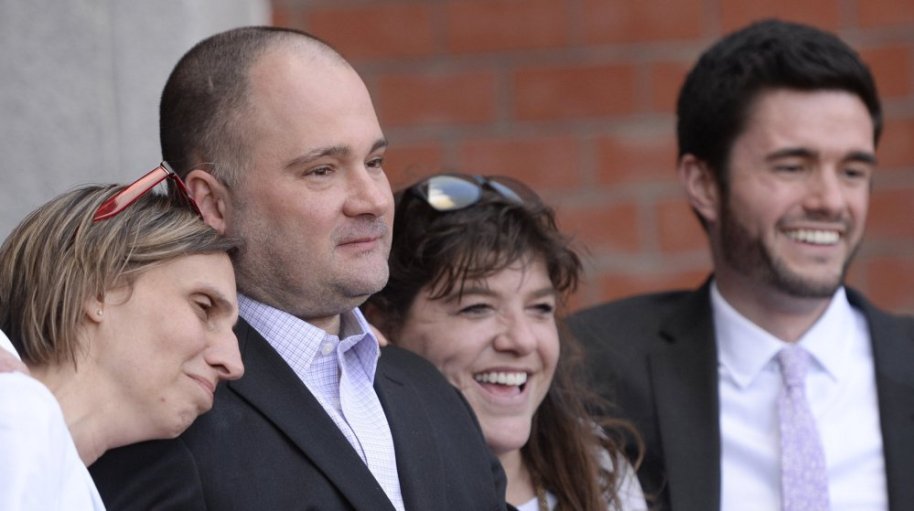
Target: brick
[[678, 228], [623, 21], [389, 29], [637, 156], [891, 65], [889, 282], [497, 25], [607, 226], [543, 163], [407, 163], [891, 214], [436, 98], [666, 78], [735, 14], [619, 285], [284, 16], [896, 148], [872, 13], [574, 92]]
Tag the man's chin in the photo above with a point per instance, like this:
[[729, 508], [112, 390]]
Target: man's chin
[[804, 285]]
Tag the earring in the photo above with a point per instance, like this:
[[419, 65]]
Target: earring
[[98, 313]]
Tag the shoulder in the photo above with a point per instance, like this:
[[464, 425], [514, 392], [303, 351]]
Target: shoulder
[[879, 319], [399, 363], [634, 307], [41, 468], [26, 403], [160, 474]]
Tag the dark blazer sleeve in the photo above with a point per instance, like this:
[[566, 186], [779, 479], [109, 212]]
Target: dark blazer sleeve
[[160, 475], [654, 357]]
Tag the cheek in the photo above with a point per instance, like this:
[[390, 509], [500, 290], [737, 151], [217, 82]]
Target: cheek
[[450, 348], [550, 349]]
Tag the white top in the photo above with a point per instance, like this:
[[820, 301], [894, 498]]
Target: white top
[[631, 496], [39, 465], [7, 345], [840, 386]]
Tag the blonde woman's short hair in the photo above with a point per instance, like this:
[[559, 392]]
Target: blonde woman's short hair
[[58, 257]]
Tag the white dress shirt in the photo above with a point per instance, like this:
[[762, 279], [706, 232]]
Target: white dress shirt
[[841, 388], [39, 465], [340, 374]]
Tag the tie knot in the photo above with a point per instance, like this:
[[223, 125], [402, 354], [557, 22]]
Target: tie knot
[[793, 360]]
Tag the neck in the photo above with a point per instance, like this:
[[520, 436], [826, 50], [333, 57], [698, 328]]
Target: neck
[[87, 407], [782, 315], [520, 484], [330, 325]]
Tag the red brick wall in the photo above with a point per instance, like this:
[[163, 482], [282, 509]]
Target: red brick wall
[[576, 98]]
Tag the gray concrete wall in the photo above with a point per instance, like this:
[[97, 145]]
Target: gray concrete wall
[[79, 88]]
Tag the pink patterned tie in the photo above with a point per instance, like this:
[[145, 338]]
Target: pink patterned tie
[[804, 480]]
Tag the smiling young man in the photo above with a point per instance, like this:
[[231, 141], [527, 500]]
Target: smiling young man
[[276, 137], [772, 386]]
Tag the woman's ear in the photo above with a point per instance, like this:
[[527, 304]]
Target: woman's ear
[[701, 187], [211, 196], [94, 309]]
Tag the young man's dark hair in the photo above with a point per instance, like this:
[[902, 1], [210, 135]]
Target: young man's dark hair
[[719, 91]]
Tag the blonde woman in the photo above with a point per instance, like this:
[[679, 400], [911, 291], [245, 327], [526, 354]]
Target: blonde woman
[[121, 303]]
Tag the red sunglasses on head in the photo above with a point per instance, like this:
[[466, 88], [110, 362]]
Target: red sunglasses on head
[[140, 187]]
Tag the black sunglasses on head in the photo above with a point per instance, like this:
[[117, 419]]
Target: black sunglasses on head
[[450, 192]]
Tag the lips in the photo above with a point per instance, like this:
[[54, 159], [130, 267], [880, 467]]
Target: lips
[[362, 233], [207, 385]]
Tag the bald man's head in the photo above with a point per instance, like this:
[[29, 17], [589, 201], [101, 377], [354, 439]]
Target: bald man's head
[[206, 98]]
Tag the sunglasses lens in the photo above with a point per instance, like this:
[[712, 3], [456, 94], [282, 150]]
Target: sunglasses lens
[[447, 193]]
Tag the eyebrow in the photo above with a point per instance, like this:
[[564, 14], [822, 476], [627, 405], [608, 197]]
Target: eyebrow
[[800, 152], [484, 291], [336, 151]]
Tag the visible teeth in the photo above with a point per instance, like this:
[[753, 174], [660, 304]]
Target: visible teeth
[[502, 378], [816, 237]]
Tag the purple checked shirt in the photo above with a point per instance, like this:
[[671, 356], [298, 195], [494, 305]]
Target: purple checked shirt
[[339, 371]]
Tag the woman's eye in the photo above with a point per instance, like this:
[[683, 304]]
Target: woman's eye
[[375, 163], [544, 308], [204, 304], [475, 309]]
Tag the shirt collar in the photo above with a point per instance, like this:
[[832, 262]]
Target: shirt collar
[[744, 348], [288, 333]]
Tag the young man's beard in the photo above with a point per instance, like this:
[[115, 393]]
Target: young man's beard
[[749, 255]]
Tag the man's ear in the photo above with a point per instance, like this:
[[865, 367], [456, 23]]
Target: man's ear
[[211, 197], [701, 187]]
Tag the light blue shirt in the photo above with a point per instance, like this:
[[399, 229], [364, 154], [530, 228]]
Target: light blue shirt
[[339, 371]]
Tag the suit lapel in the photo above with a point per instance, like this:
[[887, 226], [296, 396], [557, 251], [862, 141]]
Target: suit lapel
[[684, 376], [893, 354], [273, 389], [418, 455]]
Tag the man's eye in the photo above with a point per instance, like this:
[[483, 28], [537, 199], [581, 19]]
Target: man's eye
[[319, 171], [789, 169]]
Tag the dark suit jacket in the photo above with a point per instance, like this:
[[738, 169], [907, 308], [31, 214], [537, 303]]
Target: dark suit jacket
[[655, 357], [268, 445]]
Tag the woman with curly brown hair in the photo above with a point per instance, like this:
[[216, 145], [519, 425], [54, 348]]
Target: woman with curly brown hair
[[478, 272]]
